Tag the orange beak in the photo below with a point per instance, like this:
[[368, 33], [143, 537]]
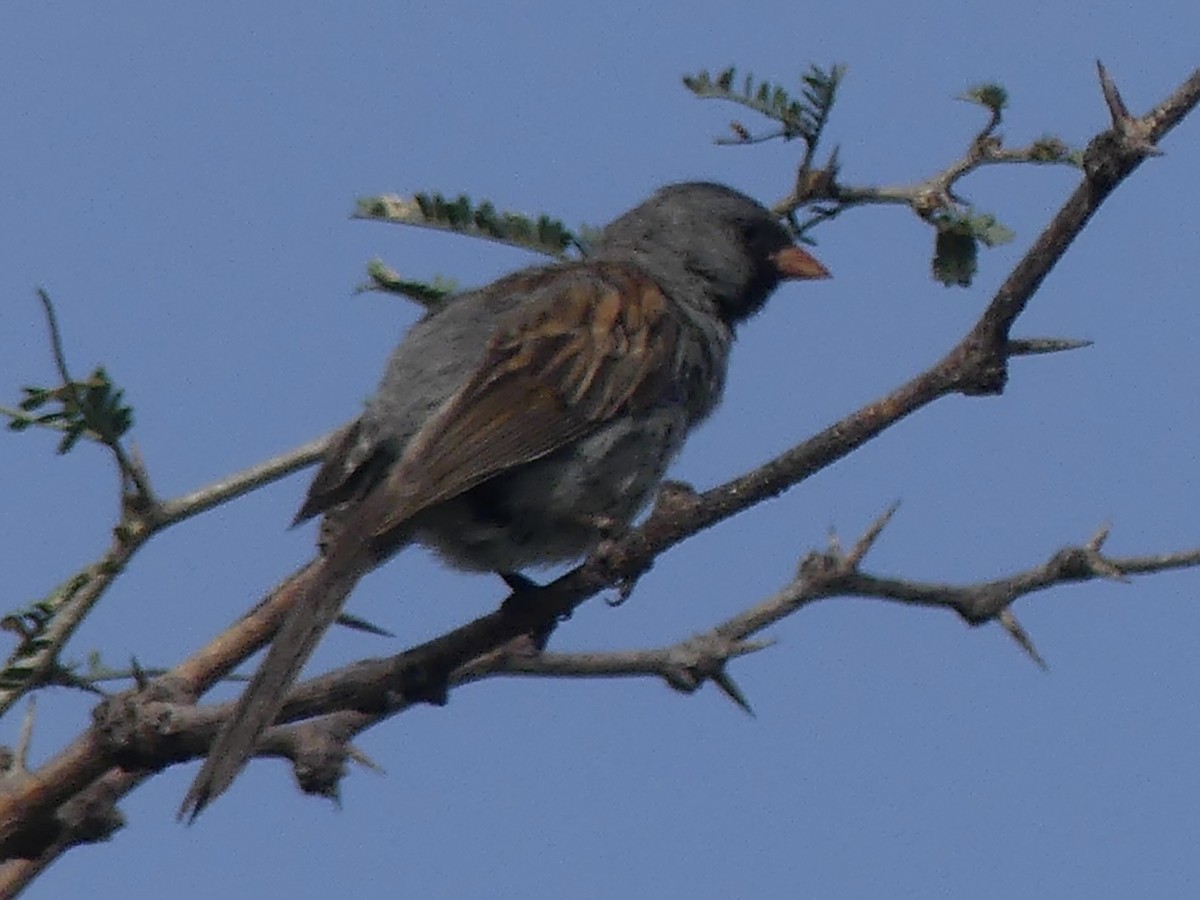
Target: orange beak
[[796, 263]]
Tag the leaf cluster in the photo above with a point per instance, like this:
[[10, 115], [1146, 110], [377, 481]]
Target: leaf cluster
[[956, 247], [542, 234], [801, 117], [92, 408], [429, 294]]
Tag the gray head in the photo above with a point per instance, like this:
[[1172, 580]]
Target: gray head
[[708, 246]]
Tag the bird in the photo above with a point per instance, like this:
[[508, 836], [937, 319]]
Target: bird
[[517, 424]]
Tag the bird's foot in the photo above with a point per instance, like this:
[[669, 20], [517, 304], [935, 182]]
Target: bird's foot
[[621, 555]]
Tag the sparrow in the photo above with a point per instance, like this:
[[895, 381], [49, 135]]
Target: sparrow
[[518, 423]]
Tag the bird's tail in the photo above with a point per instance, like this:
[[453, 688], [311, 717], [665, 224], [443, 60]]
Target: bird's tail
[[323, 590]]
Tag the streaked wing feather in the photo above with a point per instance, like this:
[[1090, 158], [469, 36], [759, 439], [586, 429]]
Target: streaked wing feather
[[571, 360]]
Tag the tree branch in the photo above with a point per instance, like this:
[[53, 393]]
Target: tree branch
[[46, 626], [339, 705], [144, 729]]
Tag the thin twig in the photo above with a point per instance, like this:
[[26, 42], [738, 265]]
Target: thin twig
[[33, 661]]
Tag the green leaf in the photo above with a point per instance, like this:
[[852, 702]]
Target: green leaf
[[799, 118], [69, 440], [101, 407], [985, 228], [1049, 149], [955, 258], [959, 234], [93, 408], [35, 397], [992, 96], [430, 294], [544, 234]]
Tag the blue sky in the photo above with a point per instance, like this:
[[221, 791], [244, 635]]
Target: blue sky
[[179, 179]]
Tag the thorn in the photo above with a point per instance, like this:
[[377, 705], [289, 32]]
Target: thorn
[[1036, 346], [135, 456], [362, 759], [864, 543], [730, 689], [1013, 627], [835, 543], [1112, 96], [834, 163], [355, 623], [1096, 560], [191, 807], [140, 678], [1133, 131]]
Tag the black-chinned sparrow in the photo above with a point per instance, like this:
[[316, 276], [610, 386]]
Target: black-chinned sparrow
[[520, 422]]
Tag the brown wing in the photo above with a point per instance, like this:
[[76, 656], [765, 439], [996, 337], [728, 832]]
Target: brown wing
[[589, 346]]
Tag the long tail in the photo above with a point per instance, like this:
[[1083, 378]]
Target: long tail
[[324, 589]]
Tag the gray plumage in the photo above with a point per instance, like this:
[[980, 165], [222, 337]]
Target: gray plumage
[[521, 422]]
